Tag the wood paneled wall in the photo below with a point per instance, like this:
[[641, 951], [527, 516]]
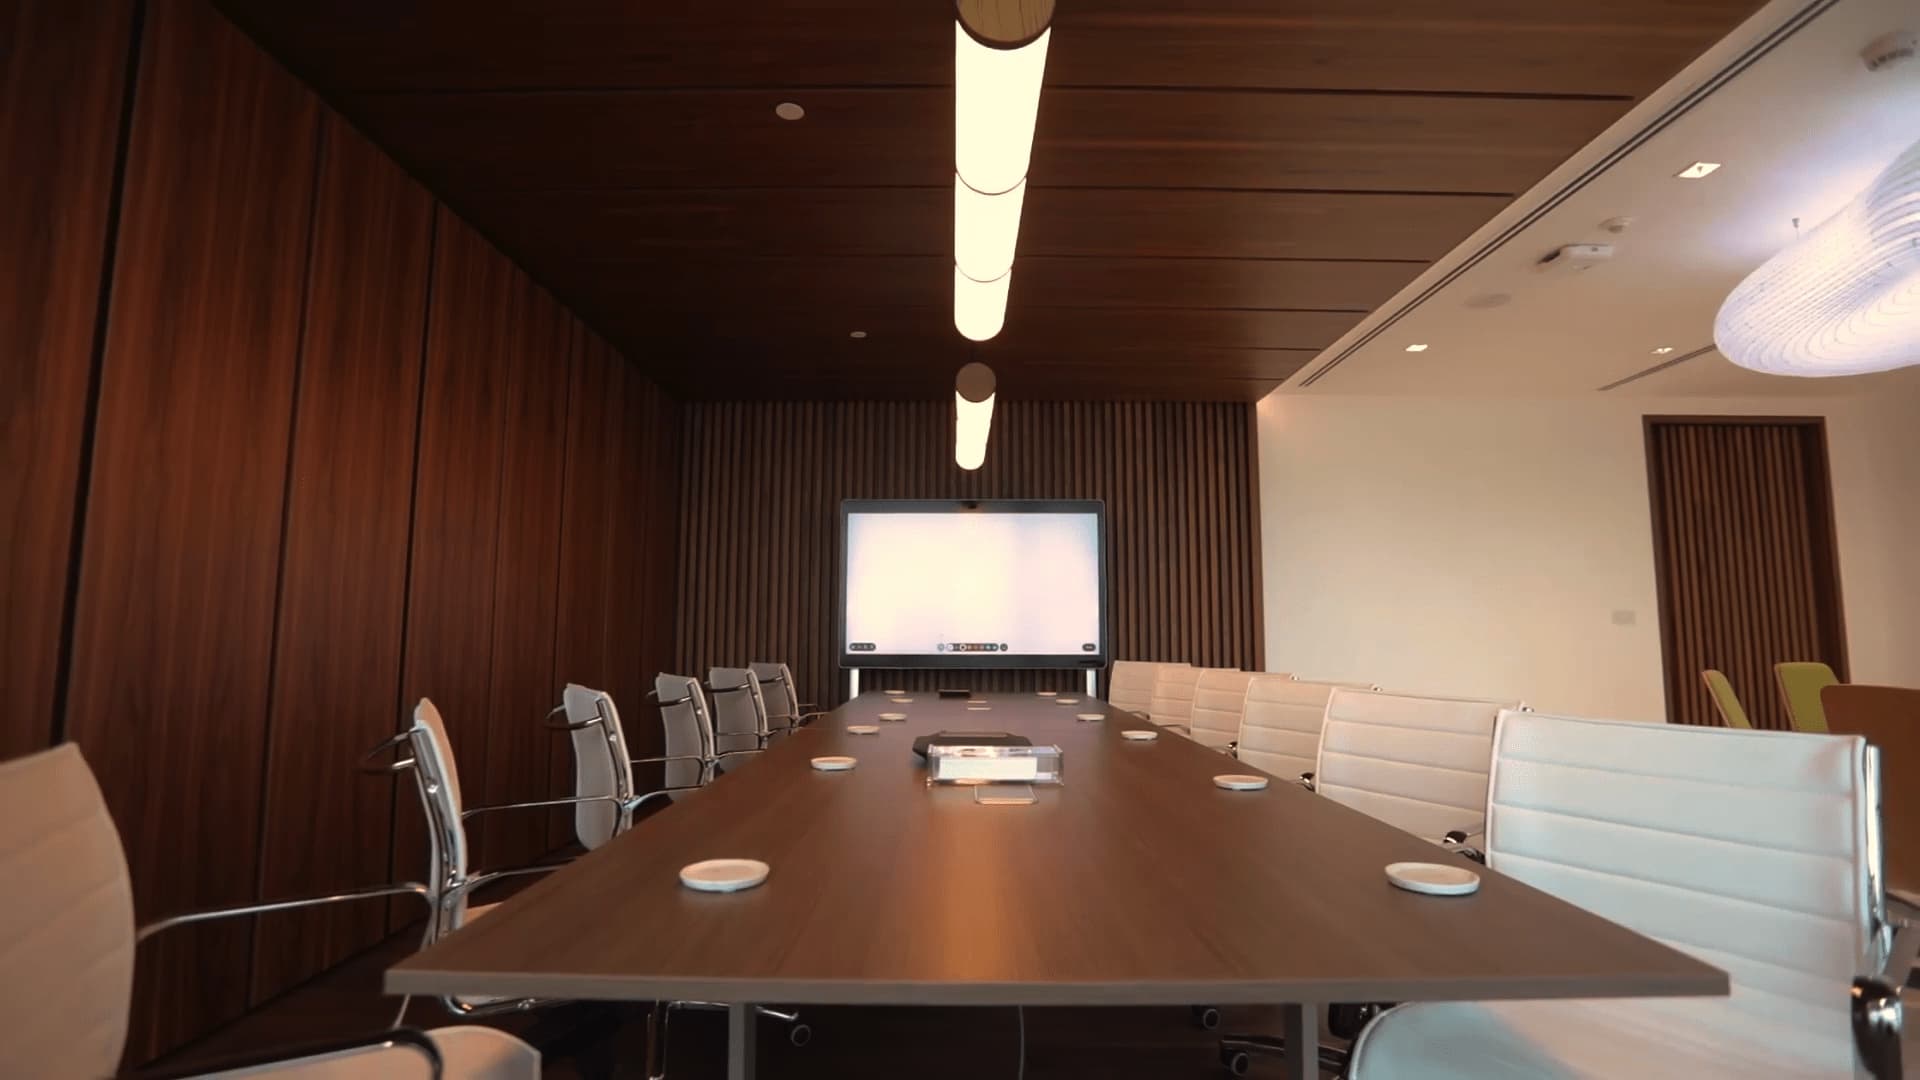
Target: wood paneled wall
[[1744, 550], [288, 446], [763, 484]]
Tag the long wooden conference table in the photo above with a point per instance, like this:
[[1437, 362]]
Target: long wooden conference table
[[1135, 882]]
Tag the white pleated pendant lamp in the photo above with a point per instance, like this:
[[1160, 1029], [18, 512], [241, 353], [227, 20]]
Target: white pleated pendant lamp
[[1842, 300]]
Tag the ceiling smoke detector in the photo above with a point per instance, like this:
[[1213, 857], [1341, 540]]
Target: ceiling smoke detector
[[1889, 49], [1573, 258]]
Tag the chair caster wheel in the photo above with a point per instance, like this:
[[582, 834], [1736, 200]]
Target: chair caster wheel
[[1236, 1061], [1206, 1016], [1346, 1020], [800, 1034]]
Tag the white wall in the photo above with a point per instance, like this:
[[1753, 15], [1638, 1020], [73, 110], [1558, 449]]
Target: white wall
[[1504, 547]]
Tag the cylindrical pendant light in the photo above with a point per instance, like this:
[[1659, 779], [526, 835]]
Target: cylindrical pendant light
[[979, 307], [1000, 57], [972, 414]]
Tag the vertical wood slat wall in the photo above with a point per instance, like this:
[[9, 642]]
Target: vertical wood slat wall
[[762, 486], [288, 445], [1743, 542]]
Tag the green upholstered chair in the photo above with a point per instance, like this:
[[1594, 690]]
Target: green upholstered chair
[[1800, 684], [1725, 701]]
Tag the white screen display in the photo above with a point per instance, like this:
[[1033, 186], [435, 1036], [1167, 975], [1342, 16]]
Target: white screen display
[[950, 585]]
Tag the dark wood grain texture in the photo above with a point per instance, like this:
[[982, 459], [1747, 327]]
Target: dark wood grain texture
[[829, 285], [1088, 138], [343, 583], [1889, 717], [479, 300], [53, 233], [764, 482], [1743, 542], [526, 580], [173, 634], [1084, 222], [1486, 46], [1230, 129], [884, 891]]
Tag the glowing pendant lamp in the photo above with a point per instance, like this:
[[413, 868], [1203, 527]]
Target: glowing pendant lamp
[[999, 59], [972, 415], [1843, 299]]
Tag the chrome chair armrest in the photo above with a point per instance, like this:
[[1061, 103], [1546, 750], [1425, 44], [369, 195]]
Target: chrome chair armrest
[[1232, 749], [641, 799], [808, 716], [491, 876], [1876, 1027], [1306, 781], [724, 754], [1181, 728], [397, 1038], [393, 742], [664, 758], [268, 907], [1470, 845], [563, 724], [726, 689], [571, 800]]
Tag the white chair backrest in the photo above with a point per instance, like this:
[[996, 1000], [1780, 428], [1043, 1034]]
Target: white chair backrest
[[1130, 687], [739, 712], [602, 766], [439, 782], [1218, 700], [1280, 727], [688, 729], [1416, 763], [1173, 694], [1749, 850], [66, 922], [778, 692]]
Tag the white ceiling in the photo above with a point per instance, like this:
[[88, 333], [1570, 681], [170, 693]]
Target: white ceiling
[[1798, 133]]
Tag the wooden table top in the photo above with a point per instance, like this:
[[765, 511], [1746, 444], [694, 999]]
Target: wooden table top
[[1136, 882]]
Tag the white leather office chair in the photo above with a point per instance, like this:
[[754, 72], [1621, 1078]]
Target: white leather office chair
[[741, 726], [1219, 700], [1130, 687], [1417, 763], [688, 732], [603, 766], [1280, 724], [1753, 851], [1173, 690], [785, 710], [67, 932]]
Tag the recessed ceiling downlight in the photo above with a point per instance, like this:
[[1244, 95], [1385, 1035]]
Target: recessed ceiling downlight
[[789, 110]]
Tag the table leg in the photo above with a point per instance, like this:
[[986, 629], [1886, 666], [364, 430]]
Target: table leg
[[1301, 1025], [741, 1045]]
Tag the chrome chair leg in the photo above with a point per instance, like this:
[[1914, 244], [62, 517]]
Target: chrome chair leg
[[657, 1018]]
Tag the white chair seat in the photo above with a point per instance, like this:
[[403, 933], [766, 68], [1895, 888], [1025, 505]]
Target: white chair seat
[[469, 1053], [1560, 1040]]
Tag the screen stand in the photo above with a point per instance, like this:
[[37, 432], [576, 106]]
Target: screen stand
[[1092, 686], [853, 683]]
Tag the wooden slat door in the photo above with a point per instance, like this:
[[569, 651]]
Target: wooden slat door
[[1744, 550]]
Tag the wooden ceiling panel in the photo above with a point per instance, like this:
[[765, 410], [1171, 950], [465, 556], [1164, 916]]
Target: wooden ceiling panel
[[1085, 138], [1120, 223], [1618, 48], [1220, 188], [840, 282], [928, 332]]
